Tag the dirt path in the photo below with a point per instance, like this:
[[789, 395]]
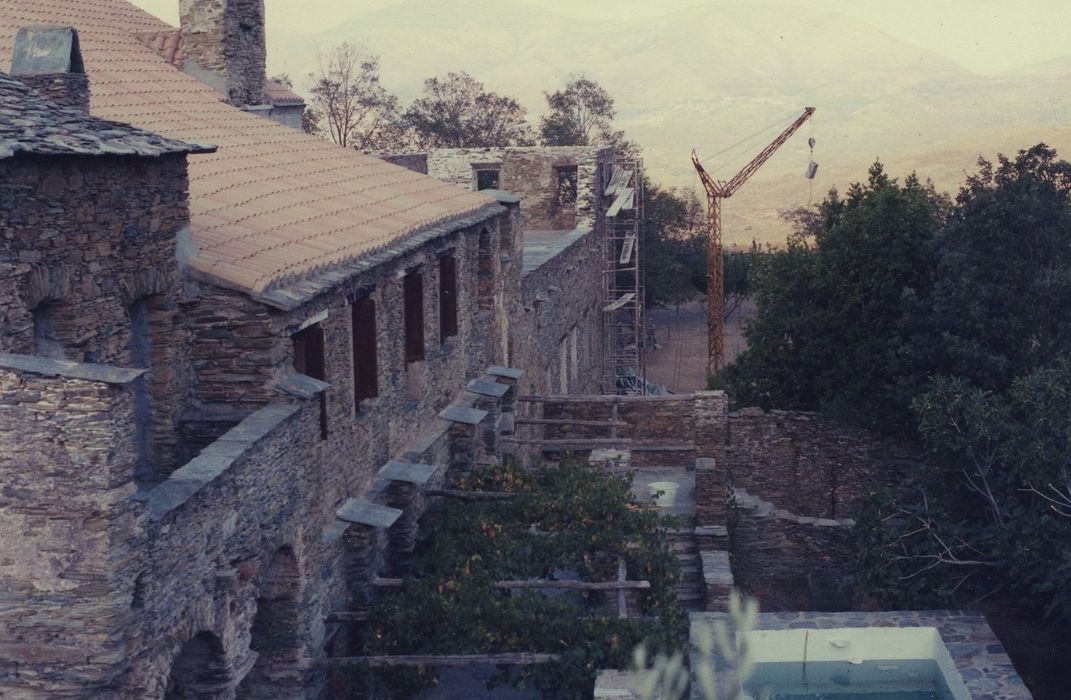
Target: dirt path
[[680, 361]]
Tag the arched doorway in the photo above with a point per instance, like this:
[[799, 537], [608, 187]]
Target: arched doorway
[[199, 671]]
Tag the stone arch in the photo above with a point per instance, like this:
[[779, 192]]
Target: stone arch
[[275, 635], [199, 670]]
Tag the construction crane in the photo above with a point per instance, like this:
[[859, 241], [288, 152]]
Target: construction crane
[[718, 190]]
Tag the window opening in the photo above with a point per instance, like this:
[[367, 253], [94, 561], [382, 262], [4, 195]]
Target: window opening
[[487, 180], [365, 351], [565, 190], [46, 341], [413, 293], [447, 297], [485, 272], [309, 360]]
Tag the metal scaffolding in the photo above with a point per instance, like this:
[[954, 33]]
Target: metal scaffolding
[[621, 203]]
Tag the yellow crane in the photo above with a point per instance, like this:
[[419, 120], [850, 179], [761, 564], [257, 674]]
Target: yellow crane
[[718, 190]]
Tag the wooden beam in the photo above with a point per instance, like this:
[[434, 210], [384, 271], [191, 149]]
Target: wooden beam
[[581, 442], [567, 421], [347, 616], [540, 584], [477, 495], [512, 659]]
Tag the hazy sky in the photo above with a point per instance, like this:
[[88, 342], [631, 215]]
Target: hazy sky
[[986, 36]]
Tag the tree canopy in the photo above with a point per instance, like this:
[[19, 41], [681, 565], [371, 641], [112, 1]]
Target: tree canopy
[[350, 104], [830, 305], [456, 111], [951, 323], [580, 113]]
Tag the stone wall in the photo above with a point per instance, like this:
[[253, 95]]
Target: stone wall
[[242, 349], [562, 294], [532, 173], [67, 525], [65, 89], [659, 430], [787, 558], [88, 272], [809, 464], [239, 552]]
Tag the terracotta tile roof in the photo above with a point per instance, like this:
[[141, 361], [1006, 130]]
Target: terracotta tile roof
[[279, 94], [272, 205], [31, 123]]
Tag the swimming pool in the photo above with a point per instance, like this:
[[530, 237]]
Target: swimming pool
[[860, 663]]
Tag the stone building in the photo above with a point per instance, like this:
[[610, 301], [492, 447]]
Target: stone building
[[563, 291], [219, 379]]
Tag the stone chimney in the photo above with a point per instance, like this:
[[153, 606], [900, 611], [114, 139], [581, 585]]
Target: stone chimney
[[223, 44], [49, 60]]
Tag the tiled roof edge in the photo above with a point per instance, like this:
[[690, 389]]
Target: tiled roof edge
[[293, 291]]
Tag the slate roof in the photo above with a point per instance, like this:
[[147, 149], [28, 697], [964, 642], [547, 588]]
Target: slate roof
[[272, 205], [30, 123]]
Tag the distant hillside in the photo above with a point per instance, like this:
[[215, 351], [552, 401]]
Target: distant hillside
[[710, 76]]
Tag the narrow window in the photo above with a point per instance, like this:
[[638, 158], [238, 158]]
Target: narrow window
[[413, 291], [487, 179], [563, 365], [574, 355], [565, 188], [485, 271], [365, 368], [447, 297], [309, 360], [45, 338]]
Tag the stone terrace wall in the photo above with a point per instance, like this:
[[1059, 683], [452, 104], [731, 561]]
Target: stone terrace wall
[[693, 422], [66, 524], [809, 464], [563, 293], [775, 550], [82, 241]]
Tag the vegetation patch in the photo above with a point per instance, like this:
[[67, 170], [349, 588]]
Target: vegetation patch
[[562, 522]]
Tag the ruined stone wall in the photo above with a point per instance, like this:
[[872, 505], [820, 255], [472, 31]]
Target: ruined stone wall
[[532, 173], [67, 526], [780, 555], [564, 293], [660, 430], [809, 464], [87, 245]]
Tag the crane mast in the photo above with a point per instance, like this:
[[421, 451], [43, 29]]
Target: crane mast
[[718, 190]]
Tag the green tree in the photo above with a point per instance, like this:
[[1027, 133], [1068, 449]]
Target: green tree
[[831, 310], [580, 113], [673, 257], [994, 510], [1001, 304], [456, 111], [350, 104]]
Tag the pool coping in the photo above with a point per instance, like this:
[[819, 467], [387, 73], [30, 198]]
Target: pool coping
[[978, 655]]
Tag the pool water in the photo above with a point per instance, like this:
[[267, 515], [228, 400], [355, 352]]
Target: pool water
[[843, 680]]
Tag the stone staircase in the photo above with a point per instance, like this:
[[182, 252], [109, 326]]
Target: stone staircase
[[690, 589]]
